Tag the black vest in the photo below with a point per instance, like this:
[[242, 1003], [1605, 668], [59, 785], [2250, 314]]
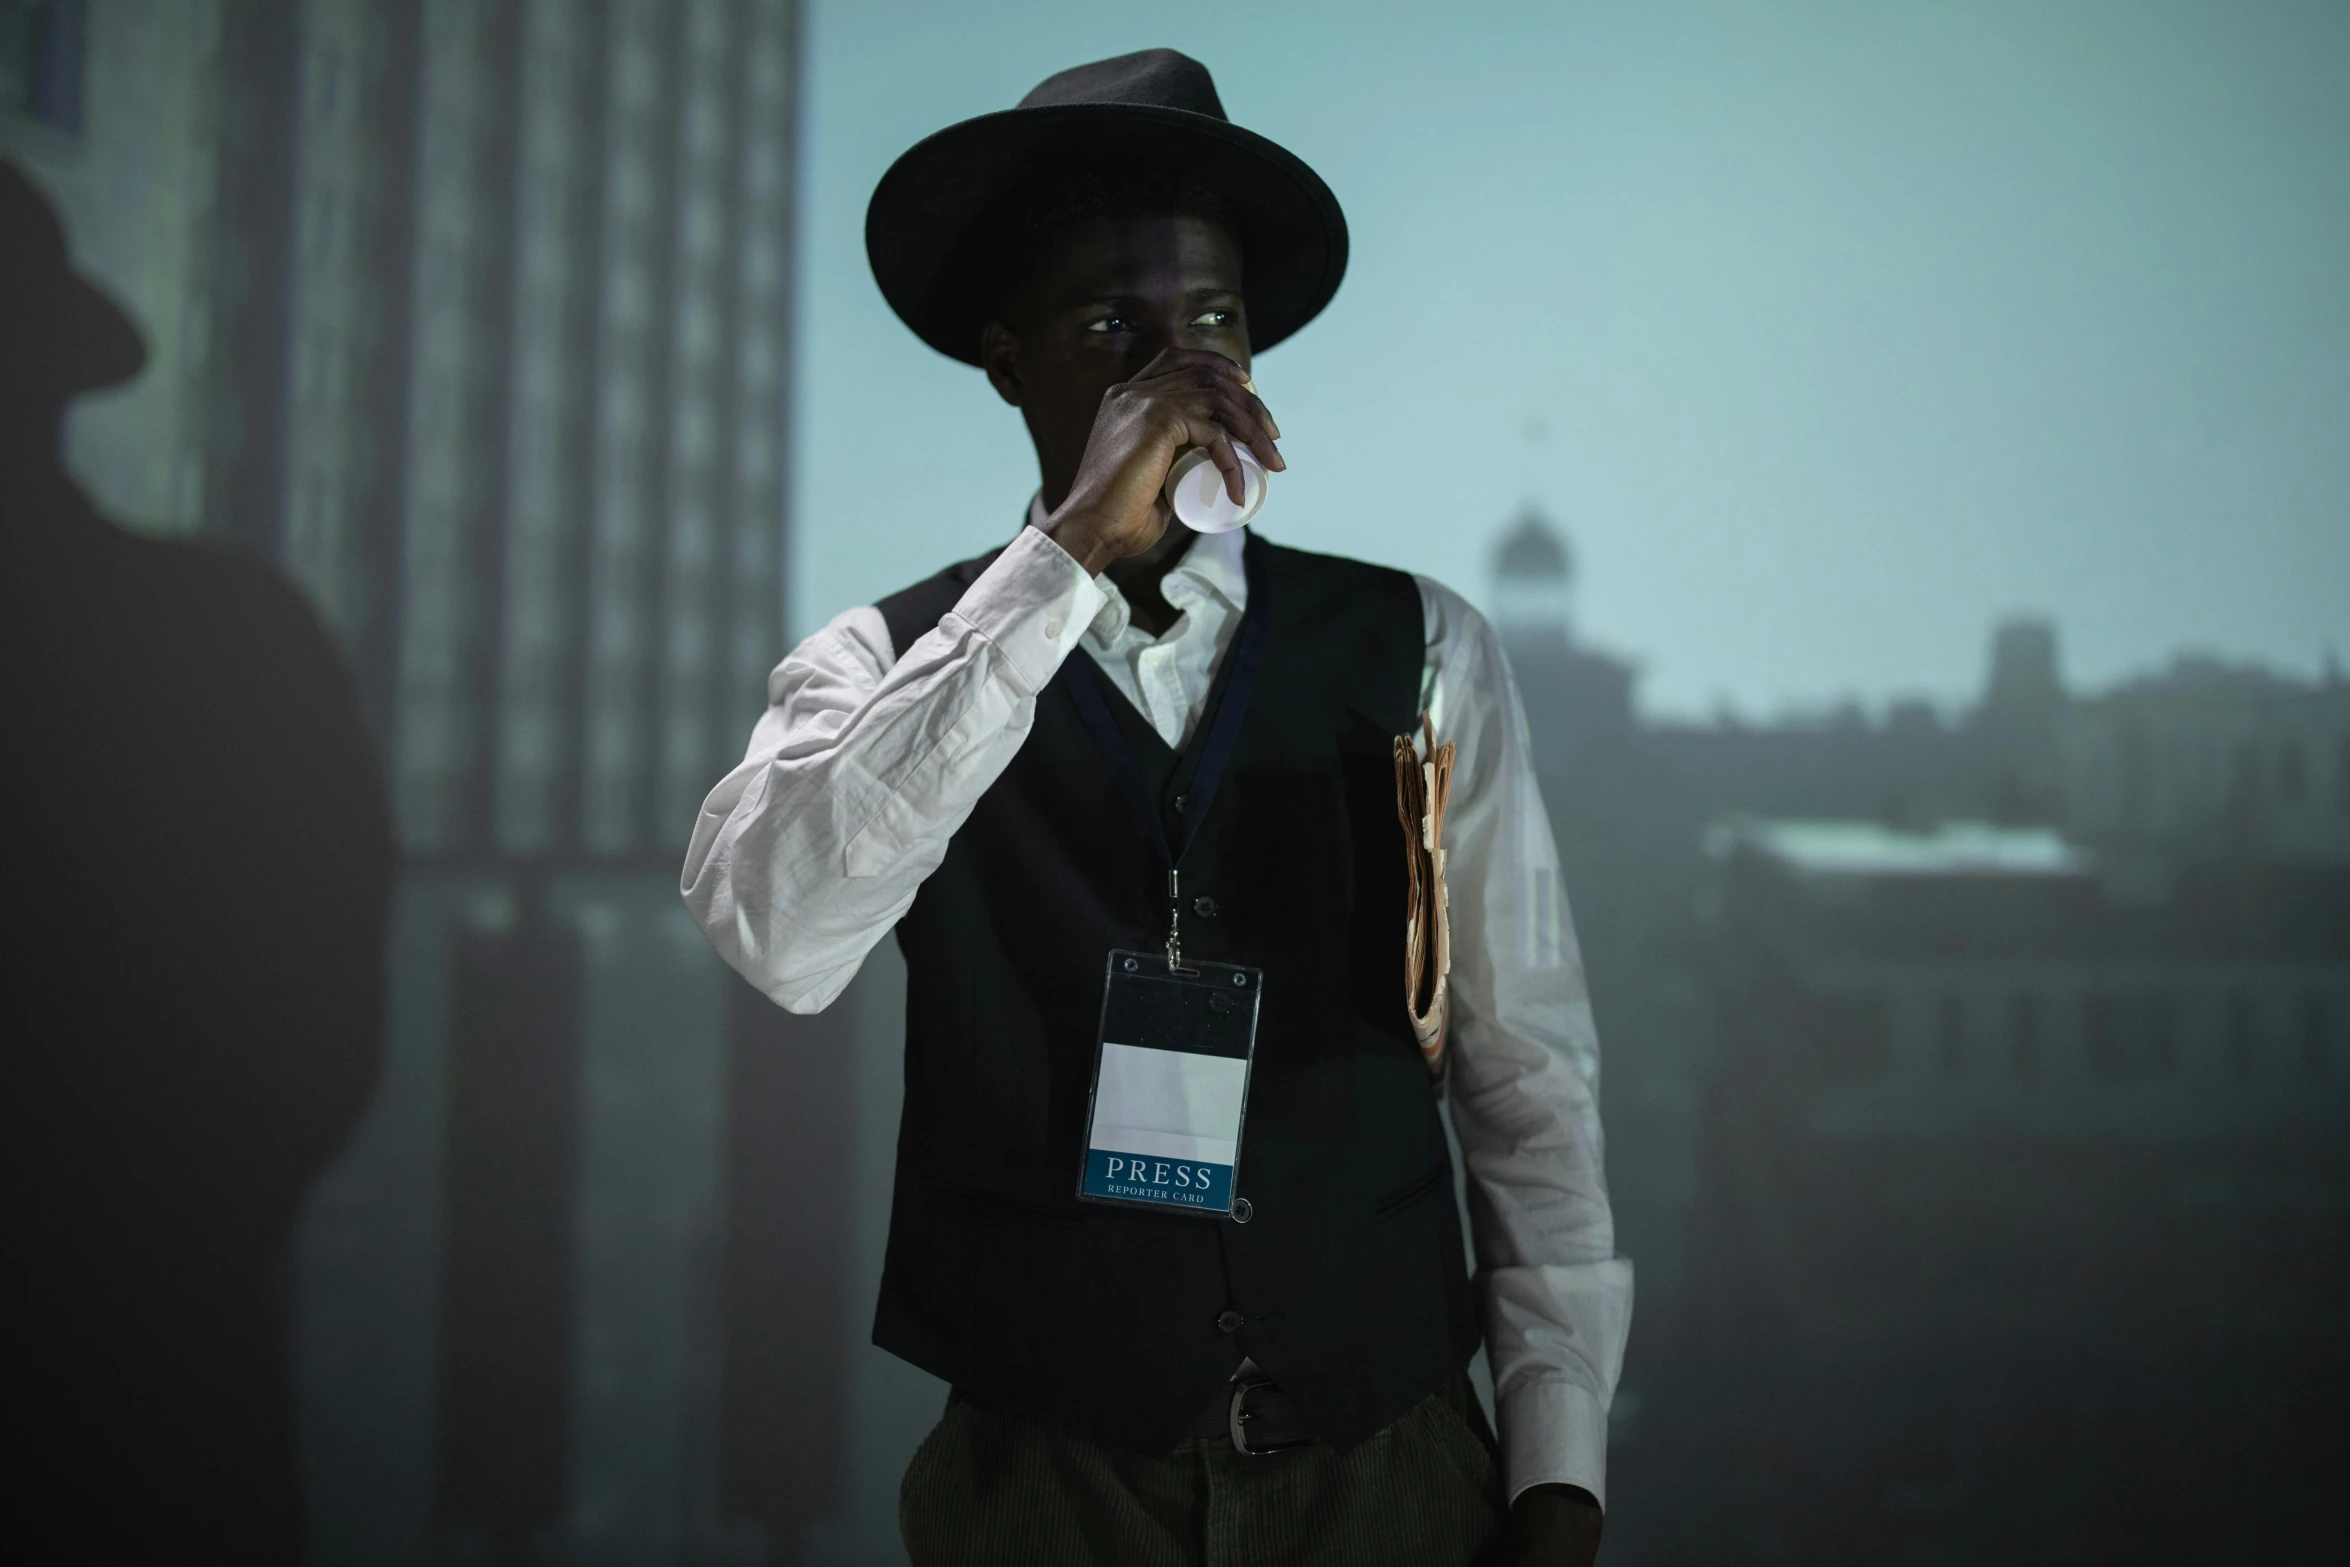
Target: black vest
[[1349, 1282]]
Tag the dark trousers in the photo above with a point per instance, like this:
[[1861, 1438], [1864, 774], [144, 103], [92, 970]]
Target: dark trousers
[[988, 1487]]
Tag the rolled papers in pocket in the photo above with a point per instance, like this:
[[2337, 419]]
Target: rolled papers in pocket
[[1422, 784]]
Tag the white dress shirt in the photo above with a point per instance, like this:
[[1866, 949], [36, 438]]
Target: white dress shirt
[[866, 763], [1167, 678]]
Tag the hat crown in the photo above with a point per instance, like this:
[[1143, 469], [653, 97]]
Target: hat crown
[[1154, 78], [58, 333]]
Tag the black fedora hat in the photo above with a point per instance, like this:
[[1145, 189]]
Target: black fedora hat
[[1157, 109], [59, 333]]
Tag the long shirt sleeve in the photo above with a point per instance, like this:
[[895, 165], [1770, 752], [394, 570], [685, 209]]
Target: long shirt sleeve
[[1523, 1092], [862, 769]]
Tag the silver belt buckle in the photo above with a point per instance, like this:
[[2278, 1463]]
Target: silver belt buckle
[[1239, 1416]]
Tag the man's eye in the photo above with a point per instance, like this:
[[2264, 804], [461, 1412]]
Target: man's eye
[[1109, 324], [1212, 318]]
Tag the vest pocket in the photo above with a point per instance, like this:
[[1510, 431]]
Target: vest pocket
[[1404, 1196]]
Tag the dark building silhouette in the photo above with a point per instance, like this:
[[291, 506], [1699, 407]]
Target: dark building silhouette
[[1976, 1100], [2017, 724], [196, 857], [2021, 1230]]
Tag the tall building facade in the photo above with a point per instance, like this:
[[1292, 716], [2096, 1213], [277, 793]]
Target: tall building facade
[[472, 315]]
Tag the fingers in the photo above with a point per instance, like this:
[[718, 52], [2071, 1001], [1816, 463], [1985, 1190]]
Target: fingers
[[1227, 463], [1214, 423], [1210, 386], [1264, 414], [1219, 407], [1245, 418]]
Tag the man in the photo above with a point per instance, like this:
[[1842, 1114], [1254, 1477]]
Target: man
[[197, 863], [977, 762]]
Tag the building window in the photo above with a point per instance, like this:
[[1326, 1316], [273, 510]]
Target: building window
[[2317, 1035], [41, 61], [2131, 1036], [1950, 1035], [2023, 1035], [2243, 1034]]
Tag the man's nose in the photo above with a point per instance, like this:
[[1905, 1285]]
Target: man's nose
[[1151, 342]]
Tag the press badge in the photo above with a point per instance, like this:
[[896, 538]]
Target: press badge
[[1170, 1083]]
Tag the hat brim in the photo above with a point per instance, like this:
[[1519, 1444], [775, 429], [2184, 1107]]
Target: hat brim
[[105, 348], [1293, 244], [70, 338]]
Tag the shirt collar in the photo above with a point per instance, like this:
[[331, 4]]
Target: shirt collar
[[1216, 563]]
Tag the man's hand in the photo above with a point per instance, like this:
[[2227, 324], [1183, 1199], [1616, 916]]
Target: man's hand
[[1552, 1526], [1185, 397]]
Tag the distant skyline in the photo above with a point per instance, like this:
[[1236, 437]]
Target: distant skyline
[[1848, 330]]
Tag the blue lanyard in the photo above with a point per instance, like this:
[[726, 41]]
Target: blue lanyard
[[1085, 689]]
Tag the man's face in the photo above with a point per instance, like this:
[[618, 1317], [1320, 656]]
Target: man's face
[[1114, 294]]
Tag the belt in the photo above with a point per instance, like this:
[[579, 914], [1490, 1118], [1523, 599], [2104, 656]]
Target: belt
[[1255, 1416]]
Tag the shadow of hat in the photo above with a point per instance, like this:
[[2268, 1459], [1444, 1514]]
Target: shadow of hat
[[59, 334], [1155, 109]]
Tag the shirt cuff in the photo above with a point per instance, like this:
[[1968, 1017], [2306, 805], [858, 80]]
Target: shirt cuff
[[1553, 1432], [1555, 1335], [1032, 604]]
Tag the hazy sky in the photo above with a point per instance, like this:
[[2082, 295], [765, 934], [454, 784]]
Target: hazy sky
[[1848, 329]]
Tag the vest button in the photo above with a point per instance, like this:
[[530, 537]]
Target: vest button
[[1242, 1210], [1229, 1322], [1205, 908]]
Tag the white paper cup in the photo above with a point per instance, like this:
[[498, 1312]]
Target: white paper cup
[[1195, 488]]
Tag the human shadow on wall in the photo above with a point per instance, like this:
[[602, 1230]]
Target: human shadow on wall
[[195, 867]]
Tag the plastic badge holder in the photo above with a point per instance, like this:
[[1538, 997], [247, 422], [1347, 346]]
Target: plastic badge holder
[[1195, 488], [1170, 1086]]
